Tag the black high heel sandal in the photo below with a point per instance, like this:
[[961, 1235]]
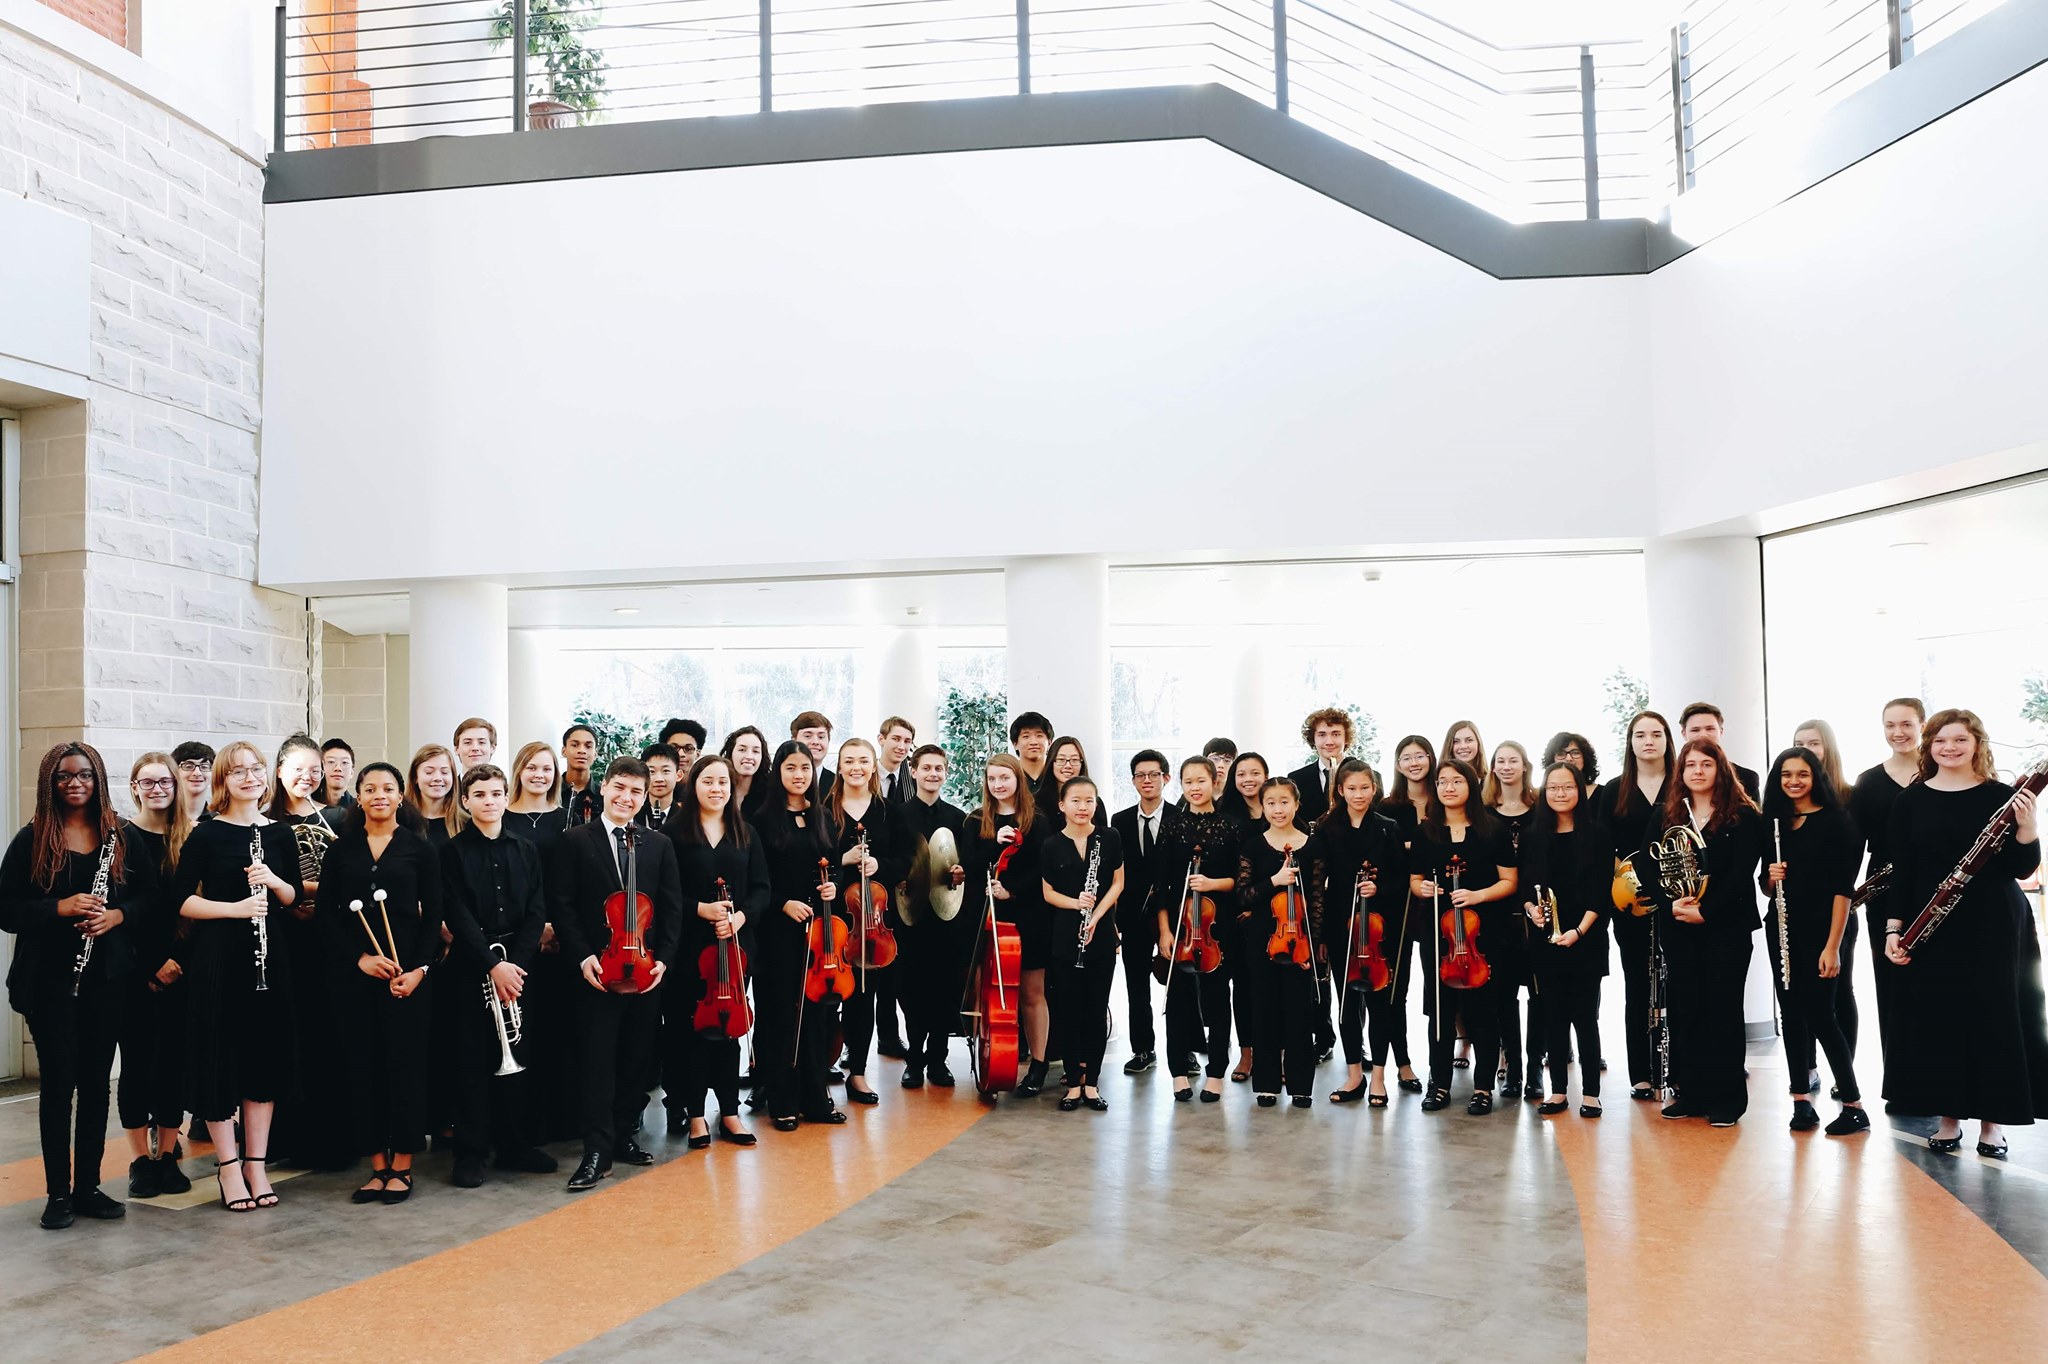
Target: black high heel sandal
[[1033, 1082], [263, 1200], [232, 1205]]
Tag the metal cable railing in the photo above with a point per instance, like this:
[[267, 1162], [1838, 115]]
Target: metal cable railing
[[1542, 132]]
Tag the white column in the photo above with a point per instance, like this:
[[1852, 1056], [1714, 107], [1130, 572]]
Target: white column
[[1706, 601], [1248, 696], [1058, 647], [532, 707], [460, 658], [908, 682]]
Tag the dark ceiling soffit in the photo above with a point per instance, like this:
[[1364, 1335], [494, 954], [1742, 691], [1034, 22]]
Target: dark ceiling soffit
[[1081, 118]]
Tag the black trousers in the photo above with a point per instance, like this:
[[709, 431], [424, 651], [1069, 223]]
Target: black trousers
[[1810, 1010], [492, 1111], [1571, 1004], [75, 1041], [152, 1086], [387, 1043], [1077, 997], [1846, 1012], [550, 1048], [1479, 1010], [791, 1057], [711, 1065], [1632, 937], [1198, 1020], [1883, 975], [1708, 1044], [858, 1014], [1138, 947], [1284, 1010], [934, 977], [615, 1043], [888, 998], [1244, 951]]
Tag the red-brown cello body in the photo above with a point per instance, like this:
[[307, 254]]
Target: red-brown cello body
[[626, 965], [997, 990], [723, 1011]]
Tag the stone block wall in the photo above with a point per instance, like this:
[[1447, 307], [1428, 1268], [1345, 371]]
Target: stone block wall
[[352, 693]]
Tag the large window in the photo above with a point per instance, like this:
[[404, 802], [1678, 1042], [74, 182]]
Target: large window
[[724, 688]]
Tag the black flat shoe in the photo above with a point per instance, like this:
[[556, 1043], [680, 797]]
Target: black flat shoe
[[836, 1118], [1984, 1149], [1642, 1094], [1532, 1092], [1211, 1096], [1184, 1095], [1436, 1100], [630, 1152], [588, 1171], [1551, 1109], [1954, 1143], [1804, 1119], [1481, 1105], [57, 1213], [1849, 1122], [402, 1179], [1268, 1100], [1723, 1119], [862, 1096], [1095, 1104], [1141, 1063], [1304, 1101], [366, 1194], [783, 1124], [1679, 1108], [937, 1073], [1070, 1102], [1351, 1095], [732, 1138], [1411, 1085], [1589, 1110], [700, 1143]]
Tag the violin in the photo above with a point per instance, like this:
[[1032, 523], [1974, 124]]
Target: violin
[[626, 966], [1462, 967], [877, 939], [723, 1011], [1289, 941], [827, 971], [1194, 942], [1368, 932], [994, 985]]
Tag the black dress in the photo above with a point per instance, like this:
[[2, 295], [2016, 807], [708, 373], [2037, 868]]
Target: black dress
[[1198, 1002], [305, 1129], [1870, 807], [1708, 967], [1077, 980], [152, 1088], [1821, 855], [386, 1039], [1284, 1000], [1026, 906], [1629, 832], [74, 1035], [1968, 1040], [1578, 867], [1480, 857], [1336, 853], [792, 1035], [710, 1063], [550, 1044], [243, 1043]]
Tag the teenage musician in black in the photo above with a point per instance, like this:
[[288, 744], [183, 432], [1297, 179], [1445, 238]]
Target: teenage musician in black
[[1284, 998], [495, 900], [1482, 881], [1706, 938], [152, 1090], [580, 798], [1566, 855], [382, 1000], [536, 815], [713, 845], [1870, 808], [1703, 720], [1083, 870], [617, 1031], [1355, 853], [933, 963], [1008, 814], [1803, 817], [1628, 804], [1330, 732], [792, 1033], [1407, 796], [1141, 828], [1239, 799], [1818, 738], [1198, 1002], [48, 901], [856, 808]]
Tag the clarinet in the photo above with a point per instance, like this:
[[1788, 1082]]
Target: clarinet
[[100, 877], [1089, 885], [1784, 920], [1660, 983], [261, 922]]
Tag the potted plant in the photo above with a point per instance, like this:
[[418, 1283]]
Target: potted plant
[[564, 75]]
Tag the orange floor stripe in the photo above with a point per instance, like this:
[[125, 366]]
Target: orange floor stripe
[[1743, 1243], [21, 1181], [609, 1256]]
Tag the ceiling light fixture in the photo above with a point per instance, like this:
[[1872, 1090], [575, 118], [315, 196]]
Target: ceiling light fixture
[[625, 610]]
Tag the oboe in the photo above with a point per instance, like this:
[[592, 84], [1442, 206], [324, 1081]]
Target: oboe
[[1778, 899], [100, 878], [261, 922], [1088, 887]]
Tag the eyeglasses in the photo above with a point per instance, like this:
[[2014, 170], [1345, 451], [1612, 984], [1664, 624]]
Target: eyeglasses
[[75, 779], [246, 770], [155, 784], [196, 765]]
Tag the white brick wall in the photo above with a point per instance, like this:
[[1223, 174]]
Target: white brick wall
[[352, 683], [141, 624]]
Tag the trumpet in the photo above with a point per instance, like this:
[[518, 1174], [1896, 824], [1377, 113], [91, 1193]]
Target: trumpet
[[506, 1018], [1546, 900]]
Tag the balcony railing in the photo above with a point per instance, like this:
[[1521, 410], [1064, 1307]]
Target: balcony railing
[[1601, 128]]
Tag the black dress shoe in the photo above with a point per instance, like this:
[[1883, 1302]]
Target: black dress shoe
[[1348, 1096], [726, 1134], [1098, 1104], [170, 1178], [1436, 1100], [397, 1188], [1532, 1091], [1849, 1122], [784, 1124], [1945, 1143], [1679, 1108], [1589, 1110], [835, 1118], [468, 1174], [937, 1073], [1723, 1119], [1804, 1119], [1141, 1063], [530, 1161], [145, 1178], [913, 1077], [1984, 1149], [1481, 1105], [1033, 1082], [1069, 1103], [1184, 1095], [1269, 1100], [1552, 1109], [588, 1171], [96, 1205], [1210, 1096], [57, 1213], [1304, 1101], [630, 1152], [862, 1096], [699, 1143]]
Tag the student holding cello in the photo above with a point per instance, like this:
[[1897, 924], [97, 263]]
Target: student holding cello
[[1354, 852], [1462, 868]]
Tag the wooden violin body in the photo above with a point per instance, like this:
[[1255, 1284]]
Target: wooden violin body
[[1289, 940], [1195, 941], [723, 1011], [1368, 935], [626, 965], [877, 940], [1461, 966], [996, 988], [827, 969]]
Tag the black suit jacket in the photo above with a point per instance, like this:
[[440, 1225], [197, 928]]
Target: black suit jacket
[[905, 784], [1750, 783], [1315, 797], [1142, 871], [585, 872]]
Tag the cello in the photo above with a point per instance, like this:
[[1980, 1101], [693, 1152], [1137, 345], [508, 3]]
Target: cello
[[827, 970], [1462, 967], [723, 1012], [626, 966], [996, 983], [1289, 941], [877, 939], [1368, 932], [1194, 937]]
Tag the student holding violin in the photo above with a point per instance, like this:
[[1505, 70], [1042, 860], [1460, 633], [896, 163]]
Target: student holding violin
[[1352, 854], [792, 1025], [1196, 871], [1566, 858], [724, 871], [1082, 868], [871, 857], [1282, 939], [1463, 869]]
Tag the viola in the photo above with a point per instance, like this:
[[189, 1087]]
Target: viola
[[995, 985], [1461, 966], [877, 939], [723, 1011], [626, 966], [1194, 942], [1368, 932], [827, 969], [1289, 941]]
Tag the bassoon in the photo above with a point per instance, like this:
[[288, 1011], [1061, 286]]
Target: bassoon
[[1950, 891]]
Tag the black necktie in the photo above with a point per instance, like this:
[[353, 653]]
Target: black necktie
[[1144, 835], [889, 787], [624, 853]]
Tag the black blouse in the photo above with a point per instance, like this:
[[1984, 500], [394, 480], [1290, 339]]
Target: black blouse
[[1020, 878], [1729, 908], [1821, 856], [888, 844], [744, 869], [409, 874], [1220, 837], [1870, 806], [1578, 867], [1258, 862], [1065, 868], [48, 945], [1337, 850], [1481, 856]]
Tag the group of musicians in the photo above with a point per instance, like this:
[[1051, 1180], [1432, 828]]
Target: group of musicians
[[322, 962]]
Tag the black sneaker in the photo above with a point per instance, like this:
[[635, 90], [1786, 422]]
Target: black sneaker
[[96, 1205], [1723, 1119], [145, 1178], [1804, 1119], [469, 1172], [1848, 1123], [1141, 1063], [57, 1213], [170, 1178]]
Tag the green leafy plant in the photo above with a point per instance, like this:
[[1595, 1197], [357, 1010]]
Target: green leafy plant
[[973, 727], [1626, 695], [561, 66], [615, 735], [2034, 702]]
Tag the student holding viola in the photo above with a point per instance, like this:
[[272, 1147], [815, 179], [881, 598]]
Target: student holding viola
[[1281, 938], [1207, 840]]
